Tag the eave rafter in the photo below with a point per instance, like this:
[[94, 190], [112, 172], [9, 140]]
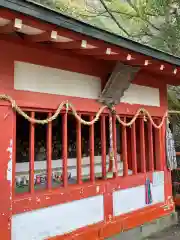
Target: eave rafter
[[36, 32], [11, 26]]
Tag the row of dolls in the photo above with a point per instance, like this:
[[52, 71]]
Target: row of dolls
[[40, 179], [40, 150]]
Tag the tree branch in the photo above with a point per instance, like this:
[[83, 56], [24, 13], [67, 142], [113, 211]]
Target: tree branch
[[137, 12], [112, 16]]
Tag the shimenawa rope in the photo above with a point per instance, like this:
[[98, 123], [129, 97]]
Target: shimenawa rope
[[68, 106]]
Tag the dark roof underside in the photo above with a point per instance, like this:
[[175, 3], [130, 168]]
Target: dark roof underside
[[60, 20]]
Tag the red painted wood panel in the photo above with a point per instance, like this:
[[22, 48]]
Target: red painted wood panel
[[27, 202], [116, 225]]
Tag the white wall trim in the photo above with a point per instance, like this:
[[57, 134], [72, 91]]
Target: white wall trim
[[57, 220], [138, 94], [37, 78], [131, 199]]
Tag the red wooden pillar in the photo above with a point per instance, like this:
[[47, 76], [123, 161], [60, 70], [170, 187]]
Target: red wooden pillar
[[7, 126]]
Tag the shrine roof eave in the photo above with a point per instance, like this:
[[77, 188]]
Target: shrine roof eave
[[58, 19]]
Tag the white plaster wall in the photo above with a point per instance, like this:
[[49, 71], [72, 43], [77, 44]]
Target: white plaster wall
[[137, 94], [36, 78], [57, 220], [132, 199]]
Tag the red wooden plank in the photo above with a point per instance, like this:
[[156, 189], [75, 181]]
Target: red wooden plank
[[79, 152], [124, 150], [31, 154], [49, 153], [142, 146], [92, 174], [64, 149], [150, 147], [28, 202], [133, 148], [103, 145]]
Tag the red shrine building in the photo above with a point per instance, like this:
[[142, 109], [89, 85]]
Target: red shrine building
[[54, 177]]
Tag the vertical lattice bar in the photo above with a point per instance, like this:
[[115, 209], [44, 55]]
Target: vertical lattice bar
[[114, 145], [158, 147], [91, 146], [103, 145], [150, 147], [65, 150], [49, 153], [79, 152], [142, 146], [133, 148], [124, 150], [31, 154]]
